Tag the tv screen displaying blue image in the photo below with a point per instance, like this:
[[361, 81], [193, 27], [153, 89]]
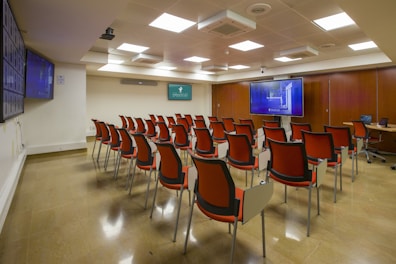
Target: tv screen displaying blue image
[[277, 97], [39, 77]]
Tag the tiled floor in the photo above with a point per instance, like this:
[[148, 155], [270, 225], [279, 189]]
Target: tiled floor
[[67, 209]]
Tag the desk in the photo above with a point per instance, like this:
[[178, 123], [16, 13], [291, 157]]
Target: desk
[[374, 126]]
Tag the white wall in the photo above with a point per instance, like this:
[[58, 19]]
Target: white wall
[[58, 124], [107, 98]]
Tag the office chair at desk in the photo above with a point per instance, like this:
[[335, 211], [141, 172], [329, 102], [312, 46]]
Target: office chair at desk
[[361, 131]]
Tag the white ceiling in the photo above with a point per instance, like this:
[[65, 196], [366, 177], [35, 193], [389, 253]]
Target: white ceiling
[[69, 31]]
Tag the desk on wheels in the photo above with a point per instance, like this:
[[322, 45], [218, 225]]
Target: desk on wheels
[[374, 126]]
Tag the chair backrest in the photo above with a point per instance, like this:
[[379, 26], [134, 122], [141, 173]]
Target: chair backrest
[[97, 127], [274, 133], [319, 145], [181, 136], [131, 124], [200, 123], [104, 131], [114, 136], [199, 117], [178, 115], [360, 130], [171, 168], [296, 130], [141, 128], [204, 144], [289, 161], [249, 122], [218, 133], [144, 155], [245, 129], [228, 124], [215, 188], [183, 121], [212, 119], [126, 146], [271, 123], [164, 133], [239, 149], [189, 119], [153, 118], [160, 118], [341, 136], [124, 122], [150, 132], [171, 121]]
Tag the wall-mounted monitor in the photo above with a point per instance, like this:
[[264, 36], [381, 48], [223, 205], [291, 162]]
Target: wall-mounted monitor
[[39, 77], [178, 91], [277, 97]]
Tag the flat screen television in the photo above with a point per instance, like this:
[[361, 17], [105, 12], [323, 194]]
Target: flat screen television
[[277, 97], [39, 77]]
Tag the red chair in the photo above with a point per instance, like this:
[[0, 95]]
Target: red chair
[[181, 140], [105, 138], [151, 131], [275, 133], [171, 121], [141, 128], [362, 132], [160, 118], [343, 139], [126, 151], [189, 119], [131, 125], [204, 145], [124, 122], [296, 129], [183, 121], [319, 146], [114, 144], [271, 123], [217, 197], [240, 155], [289, 166], [145, 160], [228, 124], [172, 175], [98, 134], [249, 122], [200, 123], [218, 131], [164, 133], [247, 130], [212, 119], [153, 118]]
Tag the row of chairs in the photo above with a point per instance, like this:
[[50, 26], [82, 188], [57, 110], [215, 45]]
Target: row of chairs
[[205, 174]]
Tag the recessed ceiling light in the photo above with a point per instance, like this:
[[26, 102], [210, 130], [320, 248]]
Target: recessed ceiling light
[[238, 67], [286, 59], [246, 45], [363, 45], [334, 21], [132, 48], [196, 59], [171, 23]]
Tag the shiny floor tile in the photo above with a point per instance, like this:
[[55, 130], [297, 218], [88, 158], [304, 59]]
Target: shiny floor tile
[[68, 209]]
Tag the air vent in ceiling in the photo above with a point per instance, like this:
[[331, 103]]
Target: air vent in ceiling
[[227, 24], [300, 52], [148, 59]]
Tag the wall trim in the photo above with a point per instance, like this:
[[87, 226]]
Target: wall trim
[[8, 190], [56, 147]]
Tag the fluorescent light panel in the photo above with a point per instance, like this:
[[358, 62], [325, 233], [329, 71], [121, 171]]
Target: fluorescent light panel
[[238, 67], [335, 21], [132, 48], [171, 23], [246, 45], [363, 45], [196, 59], [286, 59]]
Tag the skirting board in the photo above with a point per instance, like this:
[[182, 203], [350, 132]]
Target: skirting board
[[8, 190], [31, 150]]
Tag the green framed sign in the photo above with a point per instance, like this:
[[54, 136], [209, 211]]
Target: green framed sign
[[177, 91]]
